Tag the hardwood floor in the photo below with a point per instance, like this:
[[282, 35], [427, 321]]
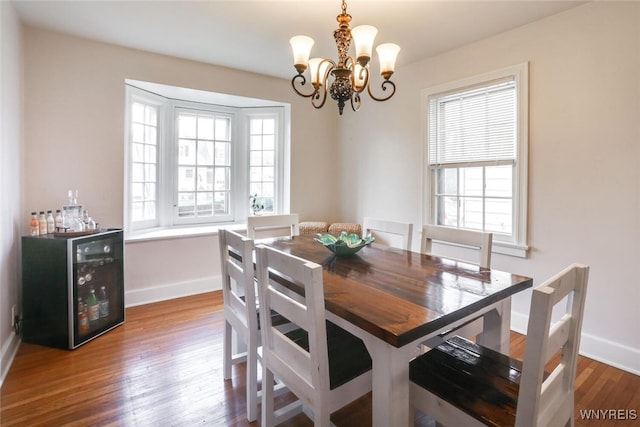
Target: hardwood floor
[[163, 367]]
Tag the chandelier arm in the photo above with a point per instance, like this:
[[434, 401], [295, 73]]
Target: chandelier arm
[[355, 101], [384, 88], [302, 83], [317, 96], [365, 81]]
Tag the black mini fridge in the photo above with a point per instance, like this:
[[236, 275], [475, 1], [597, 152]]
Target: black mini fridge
[[72, 287]]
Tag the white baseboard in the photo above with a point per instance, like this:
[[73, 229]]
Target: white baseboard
[[596, 348], [169, 291], [9, 350]]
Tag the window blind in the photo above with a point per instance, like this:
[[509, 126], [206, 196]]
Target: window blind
[[473, 126]]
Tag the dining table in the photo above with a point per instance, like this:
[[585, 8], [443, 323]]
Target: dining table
[[395, 299]]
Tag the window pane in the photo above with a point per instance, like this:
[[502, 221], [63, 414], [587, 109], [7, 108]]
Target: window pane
[[149, 210], [186, 179], [186, 204], [137, 112], [137, 172], [255, 142], [137, 132], [205, 153], [499, 181], [205, 127], [268, 142], [255, 158], [223, 154], [471, 182], [499, 214], [137, 192], [205, 204], [150, 136], [471, 213], [268, 158], [447, 211], [269, 126], [150, 154], [149, 191], [137, 152], [221, 202], [187, 126], [255, 127], [150, 172], [205, 179], [222, 179], [222, 129], [187, 152]]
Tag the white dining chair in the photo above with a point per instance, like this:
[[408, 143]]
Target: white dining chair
[[480, 241], [265, 226], [462, 383], [469, 240], [323, 365], [389, 232], [241, 312]]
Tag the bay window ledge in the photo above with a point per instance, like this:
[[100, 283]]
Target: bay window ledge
[[168, 233]]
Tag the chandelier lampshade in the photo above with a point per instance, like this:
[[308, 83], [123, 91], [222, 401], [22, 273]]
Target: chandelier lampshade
[[346, 78]]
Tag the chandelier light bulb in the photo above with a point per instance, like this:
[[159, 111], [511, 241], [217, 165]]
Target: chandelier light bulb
[[301, 47], [387, 53], [318, 69], [363, 37]]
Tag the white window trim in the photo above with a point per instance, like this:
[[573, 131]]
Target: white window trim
[[520, 72], [163, 228]]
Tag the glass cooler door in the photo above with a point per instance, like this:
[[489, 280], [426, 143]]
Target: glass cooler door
[[97, 287]]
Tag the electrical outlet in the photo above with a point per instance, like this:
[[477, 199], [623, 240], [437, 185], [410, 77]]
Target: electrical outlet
[[14, 312]]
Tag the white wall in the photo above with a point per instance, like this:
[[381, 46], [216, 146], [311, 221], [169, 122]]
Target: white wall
[[11, 211], [74, 138], [584, 153]]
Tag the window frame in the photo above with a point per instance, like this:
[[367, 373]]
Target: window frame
[[517, 245], [167, 161]]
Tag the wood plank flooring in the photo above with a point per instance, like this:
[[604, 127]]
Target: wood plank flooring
[[163, 367]]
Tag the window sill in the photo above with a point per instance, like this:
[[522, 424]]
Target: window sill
[[177, 232], [509, 249]]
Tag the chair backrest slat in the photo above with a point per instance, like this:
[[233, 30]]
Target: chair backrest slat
[[387, 230], [482, 241], [273, 226]]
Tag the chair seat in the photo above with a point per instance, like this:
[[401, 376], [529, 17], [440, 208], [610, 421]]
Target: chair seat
[[348, 356], [480, 381]]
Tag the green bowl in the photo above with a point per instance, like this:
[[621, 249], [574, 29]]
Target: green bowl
[[345, 245]]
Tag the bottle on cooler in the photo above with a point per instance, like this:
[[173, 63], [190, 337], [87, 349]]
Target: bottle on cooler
[[103, 302], [58, 220], [83, 319], [51, 223], [93, 312], [34, 225], [42, 224]]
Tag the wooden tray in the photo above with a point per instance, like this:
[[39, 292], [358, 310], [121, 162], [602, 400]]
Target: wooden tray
[[74, 233]]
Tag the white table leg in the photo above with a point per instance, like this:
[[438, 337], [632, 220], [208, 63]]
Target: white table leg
[[390, 395], [497, 328]]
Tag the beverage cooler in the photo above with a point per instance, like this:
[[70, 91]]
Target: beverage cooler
[[72, 287]]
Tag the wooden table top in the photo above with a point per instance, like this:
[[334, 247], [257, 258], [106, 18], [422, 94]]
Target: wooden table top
[[400, 296]]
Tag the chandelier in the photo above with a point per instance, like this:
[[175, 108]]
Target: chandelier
[[350, 76]]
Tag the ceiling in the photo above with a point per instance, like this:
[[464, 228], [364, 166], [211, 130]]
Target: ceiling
[[253, 35]]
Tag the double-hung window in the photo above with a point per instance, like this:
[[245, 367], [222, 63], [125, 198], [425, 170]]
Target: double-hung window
[[476, 149], [193, 163]]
